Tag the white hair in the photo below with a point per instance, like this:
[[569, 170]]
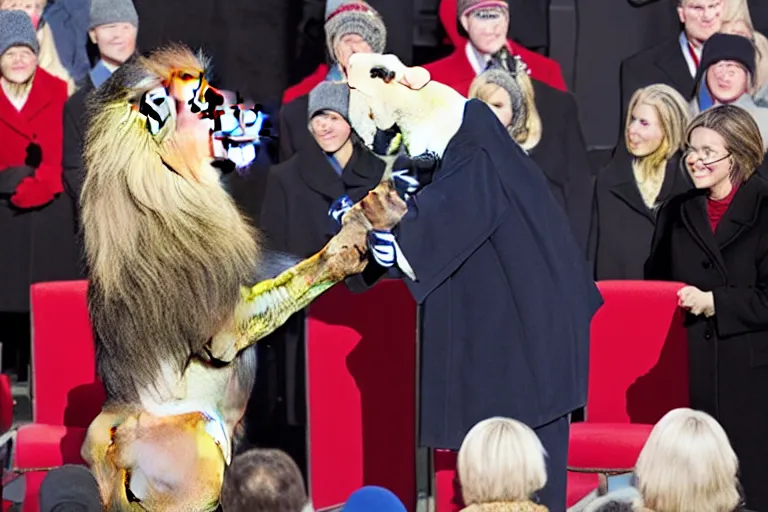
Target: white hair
[[688, 464], [501, 459]]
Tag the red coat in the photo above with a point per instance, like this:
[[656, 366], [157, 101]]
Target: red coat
[[40, 121], [306, 85], [456, 71]]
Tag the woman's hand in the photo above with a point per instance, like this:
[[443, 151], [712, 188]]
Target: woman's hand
[[696, 301]]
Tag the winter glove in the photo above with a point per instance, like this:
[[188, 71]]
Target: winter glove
[[383, 247], [11, 177], [411, 174], [339, 207], [31, 193], [34, 155]]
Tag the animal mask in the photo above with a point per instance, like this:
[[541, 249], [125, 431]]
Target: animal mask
[[427, 113]]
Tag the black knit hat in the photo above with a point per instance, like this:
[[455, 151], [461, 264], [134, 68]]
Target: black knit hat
[[721, 47]]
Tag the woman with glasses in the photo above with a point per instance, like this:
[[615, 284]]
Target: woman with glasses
[[714, 239]]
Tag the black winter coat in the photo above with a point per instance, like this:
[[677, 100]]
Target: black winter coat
[[505, 291], [300, 192], [562, 155], [728, 353], [622, 226]]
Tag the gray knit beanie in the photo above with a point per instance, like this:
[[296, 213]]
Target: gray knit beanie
[[470, 5], [16, 30], [508, 82], [104, 12], [329, 96], [354, 17]]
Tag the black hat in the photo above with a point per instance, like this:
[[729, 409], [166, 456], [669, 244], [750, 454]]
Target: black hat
[[721, 47]]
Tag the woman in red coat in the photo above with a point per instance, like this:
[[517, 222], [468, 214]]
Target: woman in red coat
[[31, 109]]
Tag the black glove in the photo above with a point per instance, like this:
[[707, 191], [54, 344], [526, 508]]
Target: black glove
[[11, 177], [34, 155], [411, 174]]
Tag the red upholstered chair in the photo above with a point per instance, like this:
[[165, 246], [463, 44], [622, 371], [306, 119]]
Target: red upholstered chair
[[638, 372], [66, 395]]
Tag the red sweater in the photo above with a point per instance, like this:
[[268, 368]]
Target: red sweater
[[716, 209]]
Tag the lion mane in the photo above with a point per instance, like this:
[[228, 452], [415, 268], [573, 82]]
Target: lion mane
[[167, 250]]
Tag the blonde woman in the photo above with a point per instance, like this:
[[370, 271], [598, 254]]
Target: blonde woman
[[544, 121], [501, 466], [715, 240], [688, 464], [48, 57], [631, 186]]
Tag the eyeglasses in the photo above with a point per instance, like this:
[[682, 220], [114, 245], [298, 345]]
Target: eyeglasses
[[706, 157]]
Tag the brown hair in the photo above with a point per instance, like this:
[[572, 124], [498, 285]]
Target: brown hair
[[741, 134], [263, 480]]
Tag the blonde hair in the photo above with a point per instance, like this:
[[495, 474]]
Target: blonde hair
[[528, 132], [48, 58], [673, 113], [688, 464], [742, 137], [500, 459]]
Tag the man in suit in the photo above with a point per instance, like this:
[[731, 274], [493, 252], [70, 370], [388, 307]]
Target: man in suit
[[113, 28], [675, 62]]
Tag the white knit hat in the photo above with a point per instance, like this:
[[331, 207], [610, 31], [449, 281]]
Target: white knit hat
[[354, 17]]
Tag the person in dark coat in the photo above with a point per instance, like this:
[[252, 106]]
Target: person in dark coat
[[294, 219], [351, 26], [505, 293], [301, 190], [31, 105], [112, 28], [715, 240], [675, 62], [545, 122], [630, 188]]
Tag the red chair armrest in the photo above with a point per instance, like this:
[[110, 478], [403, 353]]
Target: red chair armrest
[[602, 447]]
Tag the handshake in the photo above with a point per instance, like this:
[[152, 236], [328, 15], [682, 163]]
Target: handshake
[[408, 177]]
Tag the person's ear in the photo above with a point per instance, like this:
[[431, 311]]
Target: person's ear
[[681, 13], [415, 78], [464, 19], [92, 36]]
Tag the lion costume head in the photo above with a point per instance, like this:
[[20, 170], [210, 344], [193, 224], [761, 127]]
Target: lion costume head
[[167, 249]]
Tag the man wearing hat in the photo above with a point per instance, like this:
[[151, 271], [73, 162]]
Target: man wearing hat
[[351, 26], [113, 28], [485, 26], [726, 75]]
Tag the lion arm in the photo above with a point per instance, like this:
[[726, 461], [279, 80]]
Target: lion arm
[[267, 305]]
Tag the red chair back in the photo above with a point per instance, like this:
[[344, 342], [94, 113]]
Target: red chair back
[[638, 353], [65, 390]]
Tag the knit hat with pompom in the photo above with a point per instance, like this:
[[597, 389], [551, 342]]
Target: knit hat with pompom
[[344, 17]]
